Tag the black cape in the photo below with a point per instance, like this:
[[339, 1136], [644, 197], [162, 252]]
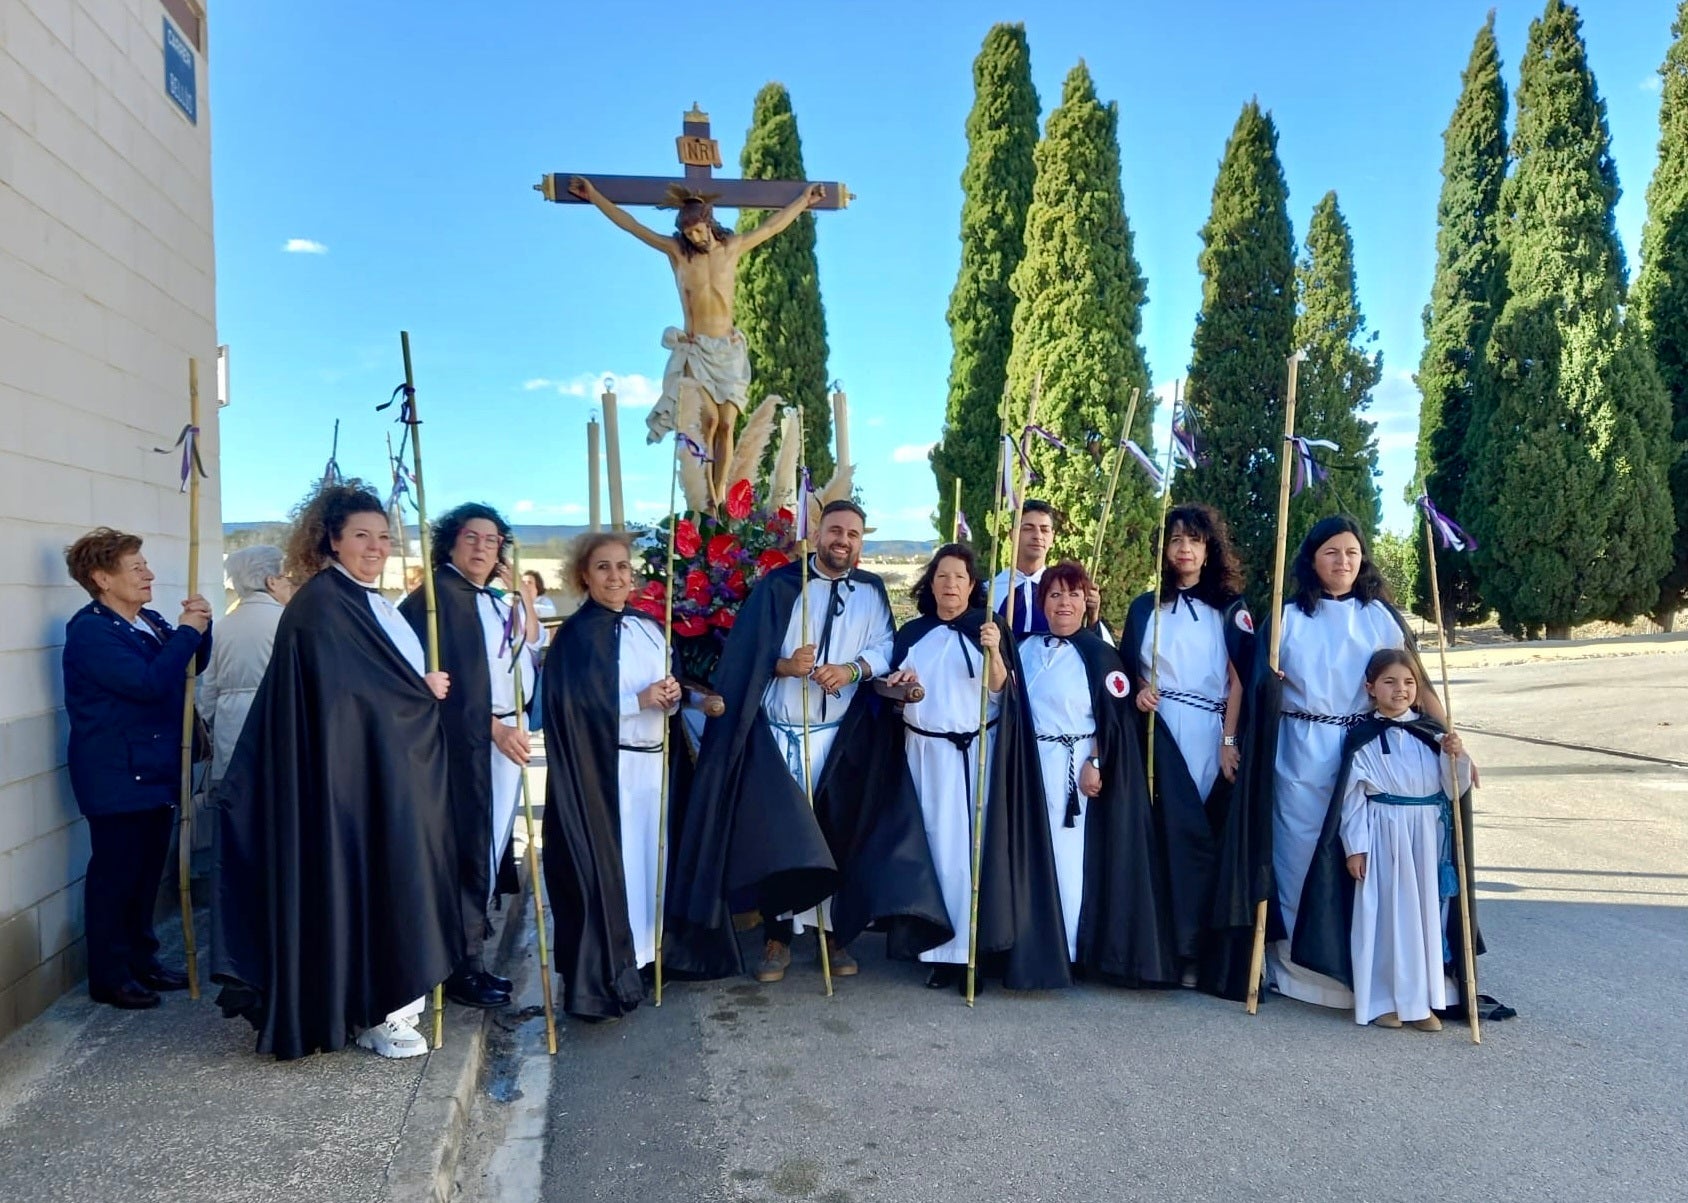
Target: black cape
[[1244, 875], [1020, 924], [468, 731], [335, 872], [1184, 820], [1325, 922], [749, 838], [584, 878], [1125, 928]]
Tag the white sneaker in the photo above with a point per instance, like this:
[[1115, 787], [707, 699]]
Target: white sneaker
[[393, 1039]]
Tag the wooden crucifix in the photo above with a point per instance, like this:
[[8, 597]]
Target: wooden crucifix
[[708, 373]]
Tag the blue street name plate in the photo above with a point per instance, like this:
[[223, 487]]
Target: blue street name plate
[[179, 78]]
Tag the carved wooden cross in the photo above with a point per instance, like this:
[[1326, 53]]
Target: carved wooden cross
[[699, 155]]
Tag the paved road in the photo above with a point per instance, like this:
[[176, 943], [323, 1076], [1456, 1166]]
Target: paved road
[[891, 1092]]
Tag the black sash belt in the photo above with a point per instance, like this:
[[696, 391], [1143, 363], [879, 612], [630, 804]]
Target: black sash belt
[[1345, 721], [963, 741], [640, 747], [1212, 705]]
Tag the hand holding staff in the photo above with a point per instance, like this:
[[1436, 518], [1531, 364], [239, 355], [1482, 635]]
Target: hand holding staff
[[192, 471], [803, 600], [518, 649], [413, 427], [1257, 958], [1455, 810]]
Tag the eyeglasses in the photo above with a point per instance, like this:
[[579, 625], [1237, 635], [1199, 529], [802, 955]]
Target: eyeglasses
[[491, 542]]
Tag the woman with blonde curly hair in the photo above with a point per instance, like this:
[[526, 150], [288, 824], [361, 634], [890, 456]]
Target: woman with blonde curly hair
[[336, 884]]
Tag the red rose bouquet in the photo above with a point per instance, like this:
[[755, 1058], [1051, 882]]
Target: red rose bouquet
[[716, 561]]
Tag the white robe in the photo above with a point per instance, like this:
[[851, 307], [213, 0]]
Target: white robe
[[639, 779], [863, 631], [941, 658], [1323, 659], [1399, 913], [1059, 689], [506, 773], [1194, 660]]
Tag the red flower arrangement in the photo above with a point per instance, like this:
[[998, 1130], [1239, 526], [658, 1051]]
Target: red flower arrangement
[[716, 561]]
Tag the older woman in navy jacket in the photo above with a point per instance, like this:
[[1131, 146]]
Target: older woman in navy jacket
[[124, 683]]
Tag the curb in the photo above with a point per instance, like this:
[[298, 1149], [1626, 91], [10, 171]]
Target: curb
[[423, 1167], [1539, 651]]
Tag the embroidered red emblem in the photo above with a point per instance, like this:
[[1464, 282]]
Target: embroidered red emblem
[[1245, 620], [1116, 684]]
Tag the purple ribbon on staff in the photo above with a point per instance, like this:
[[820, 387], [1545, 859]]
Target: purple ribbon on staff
[[1147, 463], [805, 488], [1308, 470], [512, 630], [1186, 438], [693, 447], [1451, 533], [1048, 436], [962, 530], [188, 441], [401, 486], [407, 411], [1008, 452]]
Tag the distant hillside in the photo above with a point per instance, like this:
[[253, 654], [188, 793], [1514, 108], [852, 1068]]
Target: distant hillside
[[549, 540]]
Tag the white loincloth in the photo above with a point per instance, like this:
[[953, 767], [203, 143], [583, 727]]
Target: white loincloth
[[720, 365]]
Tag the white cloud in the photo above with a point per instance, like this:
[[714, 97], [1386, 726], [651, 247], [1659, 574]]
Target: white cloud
[[304, 246], [1397, 440], [522, 507], [1651, 83], [911, 453], [632, 389], [876, 421]]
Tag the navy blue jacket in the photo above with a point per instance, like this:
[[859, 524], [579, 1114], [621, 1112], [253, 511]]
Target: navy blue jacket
[[124, 690]]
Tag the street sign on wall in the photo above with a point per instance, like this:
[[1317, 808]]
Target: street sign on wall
[[179, 79]]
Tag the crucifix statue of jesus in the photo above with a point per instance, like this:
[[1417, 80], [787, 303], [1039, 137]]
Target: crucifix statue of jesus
[[708, 354]]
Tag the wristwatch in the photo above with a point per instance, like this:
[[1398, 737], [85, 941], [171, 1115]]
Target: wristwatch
[[1230, 741], [1094, 762]]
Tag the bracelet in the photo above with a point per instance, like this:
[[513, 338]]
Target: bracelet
[[1229, 741], [855, 672]]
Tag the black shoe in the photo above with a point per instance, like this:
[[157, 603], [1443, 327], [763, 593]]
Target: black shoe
[[130, 996], [160, 977], [502, 984], [470, 990], [944, 976], [647, 975]]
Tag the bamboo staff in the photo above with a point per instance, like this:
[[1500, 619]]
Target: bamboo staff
[[404, 542], [414, 426], [668, 662], [1004, 480], [955, 517], [1020, 509], [1257, 955], [517, 651], [1155, 583], [1468, 951], [184, 817], [803, 599], [1113, 483]]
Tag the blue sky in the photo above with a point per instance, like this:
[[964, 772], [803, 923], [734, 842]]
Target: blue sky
[[373, 168]]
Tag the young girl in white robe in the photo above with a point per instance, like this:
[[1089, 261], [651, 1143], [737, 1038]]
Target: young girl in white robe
[[1396, 831]]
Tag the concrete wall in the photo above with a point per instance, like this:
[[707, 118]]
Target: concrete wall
[[107, 287]]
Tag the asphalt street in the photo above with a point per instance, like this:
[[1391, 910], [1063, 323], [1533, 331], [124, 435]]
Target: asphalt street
[[891, 1092]]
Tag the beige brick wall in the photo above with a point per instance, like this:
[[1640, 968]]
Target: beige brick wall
[[107, 287]]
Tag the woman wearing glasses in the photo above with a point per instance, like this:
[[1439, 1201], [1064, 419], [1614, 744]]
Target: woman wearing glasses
[[486, 630]]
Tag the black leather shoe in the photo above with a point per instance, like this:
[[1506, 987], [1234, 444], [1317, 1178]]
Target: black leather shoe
[[944, 976], [130, 996], [469, 990], [502, 984], [160, 977]]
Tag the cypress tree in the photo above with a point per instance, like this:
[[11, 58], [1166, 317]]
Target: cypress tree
[[1076, 327], [1334, 384], [1660, 303], [996, 188], [1467, 294], [1244, 334], [779, 294], [1569, 464]]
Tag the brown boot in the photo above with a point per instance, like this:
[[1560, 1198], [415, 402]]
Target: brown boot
[[1428, 1024], [776, 958], [1388, 1020], [840, 960]]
